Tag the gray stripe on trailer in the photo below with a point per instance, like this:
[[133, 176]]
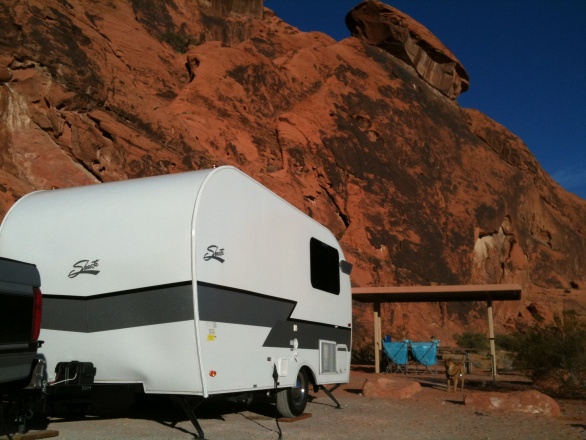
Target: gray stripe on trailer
[[133, 308], [174, 303], [308, 334], [235, 306]]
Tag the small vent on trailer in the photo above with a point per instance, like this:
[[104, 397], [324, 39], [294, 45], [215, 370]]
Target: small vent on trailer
[[283, 367], [327, 362]]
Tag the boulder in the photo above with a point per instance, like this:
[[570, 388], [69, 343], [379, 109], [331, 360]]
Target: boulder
[[531, 401], [388, 28], [390, 388]]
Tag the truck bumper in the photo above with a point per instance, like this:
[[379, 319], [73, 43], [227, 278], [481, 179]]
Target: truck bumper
[[15, 367], [23, 371]]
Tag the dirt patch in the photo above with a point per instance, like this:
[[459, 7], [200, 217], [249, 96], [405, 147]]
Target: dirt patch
[[433, 413]]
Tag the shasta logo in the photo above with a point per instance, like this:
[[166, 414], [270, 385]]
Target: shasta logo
[[214, 252], [84, 267]]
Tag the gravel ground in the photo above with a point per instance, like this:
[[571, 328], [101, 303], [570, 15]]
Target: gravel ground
[[430, 414]]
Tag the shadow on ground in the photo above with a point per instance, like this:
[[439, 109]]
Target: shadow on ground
[[115, 402]]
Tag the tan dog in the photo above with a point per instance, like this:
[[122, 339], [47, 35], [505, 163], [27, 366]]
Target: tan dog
[[454, 373]]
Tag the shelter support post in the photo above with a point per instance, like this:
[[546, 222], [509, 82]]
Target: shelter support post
[[491, 339], [377, 336]]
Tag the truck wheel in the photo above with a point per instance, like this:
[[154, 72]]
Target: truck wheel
[[291, 402]]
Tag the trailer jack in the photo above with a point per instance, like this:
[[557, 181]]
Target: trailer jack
[[189, 409], [329, 394]]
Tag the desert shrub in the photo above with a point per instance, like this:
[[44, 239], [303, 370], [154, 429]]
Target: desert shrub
[[363, 354], [554, 351], [179, 40], [472, 339], [507, 342], [505, 360]]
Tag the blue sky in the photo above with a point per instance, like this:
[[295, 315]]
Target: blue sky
[[526, 60]]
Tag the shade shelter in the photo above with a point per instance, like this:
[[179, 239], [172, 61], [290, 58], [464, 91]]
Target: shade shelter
[[394, 294]]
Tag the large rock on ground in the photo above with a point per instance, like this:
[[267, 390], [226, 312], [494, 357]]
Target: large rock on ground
[[531, 401], [390, 388]]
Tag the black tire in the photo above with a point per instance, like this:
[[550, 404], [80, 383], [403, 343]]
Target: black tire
[[291, 402]]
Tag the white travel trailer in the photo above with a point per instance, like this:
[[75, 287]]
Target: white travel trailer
[[196, 284]]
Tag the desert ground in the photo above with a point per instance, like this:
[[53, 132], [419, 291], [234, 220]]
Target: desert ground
[[432, 413]]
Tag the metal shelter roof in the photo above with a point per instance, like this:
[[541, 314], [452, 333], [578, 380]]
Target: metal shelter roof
[[481, 292]]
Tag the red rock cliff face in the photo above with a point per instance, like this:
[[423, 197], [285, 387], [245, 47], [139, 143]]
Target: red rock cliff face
[[366, 140]]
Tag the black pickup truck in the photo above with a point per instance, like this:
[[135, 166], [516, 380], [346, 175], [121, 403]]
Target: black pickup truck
[[22, 372], [20, 325]]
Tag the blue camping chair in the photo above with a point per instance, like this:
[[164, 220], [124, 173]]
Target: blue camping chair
[[397, 359], [425, 355]]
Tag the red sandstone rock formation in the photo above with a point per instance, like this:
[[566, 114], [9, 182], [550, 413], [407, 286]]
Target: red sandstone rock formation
[[365, 139], [401, 36]]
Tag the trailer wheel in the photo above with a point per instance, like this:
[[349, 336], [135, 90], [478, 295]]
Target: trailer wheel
[[291, 402]]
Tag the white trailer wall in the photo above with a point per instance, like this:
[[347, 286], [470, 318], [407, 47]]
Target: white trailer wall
[[126, 266], [140, 234], [265, 246]]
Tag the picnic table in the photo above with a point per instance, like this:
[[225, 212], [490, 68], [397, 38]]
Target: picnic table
[[459, 350]]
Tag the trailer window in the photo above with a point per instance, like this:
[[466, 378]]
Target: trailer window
[[324, 260]]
